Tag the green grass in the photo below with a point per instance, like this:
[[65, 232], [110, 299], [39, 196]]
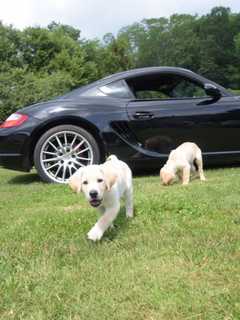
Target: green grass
[[179, 258]]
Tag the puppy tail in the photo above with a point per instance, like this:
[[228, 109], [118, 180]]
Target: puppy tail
[[112, 157]]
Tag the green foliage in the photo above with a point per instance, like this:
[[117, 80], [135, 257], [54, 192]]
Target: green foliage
[[10, 40], [39, 63], [20, 88]]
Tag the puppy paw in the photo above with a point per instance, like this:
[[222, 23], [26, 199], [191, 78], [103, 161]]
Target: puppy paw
[[95, 234], [129, 213]]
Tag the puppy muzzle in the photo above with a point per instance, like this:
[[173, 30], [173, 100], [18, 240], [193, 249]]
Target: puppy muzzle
[[95, 202]]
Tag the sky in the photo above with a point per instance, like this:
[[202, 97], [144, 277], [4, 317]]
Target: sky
[[97, 17]]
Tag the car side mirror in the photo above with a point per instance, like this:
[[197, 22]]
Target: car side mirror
[[212, 91]]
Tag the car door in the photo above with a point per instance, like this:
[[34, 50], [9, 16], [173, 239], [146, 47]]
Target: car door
[[160, 125]]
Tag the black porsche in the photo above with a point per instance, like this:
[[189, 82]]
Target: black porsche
[[138, 115]]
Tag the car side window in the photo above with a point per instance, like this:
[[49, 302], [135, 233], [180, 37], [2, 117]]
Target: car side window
[[93, 92], [117, 89], [151, 94], [187, 89], [165, 86]]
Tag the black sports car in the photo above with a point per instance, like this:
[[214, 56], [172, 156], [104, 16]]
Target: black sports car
[[139, 115]]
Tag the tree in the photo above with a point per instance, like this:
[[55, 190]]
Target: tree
[[216, 44], [39, 63]]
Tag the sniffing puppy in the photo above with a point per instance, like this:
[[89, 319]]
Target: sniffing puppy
[[103, 186], [181, 162]]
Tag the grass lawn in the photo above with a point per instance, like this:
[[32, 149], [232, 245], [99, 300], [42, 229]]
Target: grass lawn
[[179, 258]]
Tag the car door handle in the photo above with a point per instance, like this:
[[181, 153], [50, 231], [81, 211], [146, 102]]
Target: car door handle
[[143, 115]]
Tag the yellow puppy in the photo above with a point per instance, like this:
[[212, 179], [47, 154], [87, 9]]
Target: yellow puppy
[[103, 186], [181, 162]]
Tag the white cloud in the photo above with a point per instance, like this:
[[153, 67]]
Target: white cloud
[[97, 17]]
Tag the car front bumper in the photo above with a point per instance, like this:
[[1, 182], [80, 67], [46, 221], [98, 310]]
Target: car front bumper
[[13, 150], [15, 146], [14, 162]]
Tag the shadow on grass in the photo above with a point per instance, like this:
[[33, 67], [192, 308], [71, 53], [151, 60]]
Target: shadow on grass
[[25, 179], [121, 224], [29, 178], [33, 177]]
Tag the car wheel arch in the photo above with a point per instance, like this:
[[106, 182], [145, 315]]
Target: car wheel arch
[[82, 123]]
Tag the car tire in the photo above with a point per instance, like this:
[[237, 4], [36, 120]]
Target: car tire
[[62, 150]]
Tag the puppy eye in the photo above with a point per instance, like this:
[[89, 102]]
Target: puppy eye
[[85, 182], [99, 180]]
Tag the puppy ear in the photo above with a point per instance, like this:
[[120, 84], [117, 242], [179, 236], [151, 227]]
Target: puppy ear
[[110, 177], [75, 181]]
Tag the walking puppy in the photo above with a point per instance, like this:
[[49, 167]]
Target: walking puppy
[[181, 162], [103, 186]]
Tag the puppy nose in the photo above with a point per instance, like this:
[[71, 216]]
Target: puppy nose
[[93, 194]]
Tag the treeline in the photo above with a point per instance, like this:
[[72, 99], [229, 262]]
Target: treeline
[[39, 63]]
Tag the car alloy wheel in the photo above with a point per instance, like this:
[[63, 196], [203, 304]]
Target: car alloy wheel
[[63, 153]]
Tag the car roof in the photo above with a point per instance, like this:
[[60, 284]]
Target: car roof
[[141, 71]]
